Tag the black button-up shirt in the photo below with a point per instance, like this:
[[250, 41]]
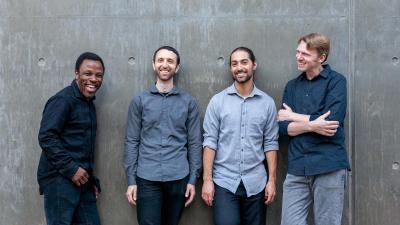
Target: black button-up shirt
[[67, 135], [312, 153], [163, 137]]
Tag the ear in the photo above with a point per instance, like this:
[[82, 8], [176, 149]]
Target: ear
[[76, 75], [322, 58], [154, 66], [177, 68], [254, 65]]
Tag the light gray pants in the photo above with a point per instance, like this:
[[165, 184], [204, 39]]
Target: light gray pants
[[324, 191]]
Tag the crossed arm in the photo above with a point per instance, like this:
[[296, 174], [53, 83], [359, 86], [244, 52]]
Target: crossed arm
[[301, 123]]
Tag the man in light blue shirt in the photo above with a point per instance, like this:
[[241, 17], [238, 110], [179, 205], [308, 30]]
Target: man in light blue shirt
[[240, 131]]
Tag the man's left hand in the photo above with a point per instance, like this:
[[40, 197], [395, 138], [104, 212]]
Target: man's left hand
[[270, 192], [190, 193]]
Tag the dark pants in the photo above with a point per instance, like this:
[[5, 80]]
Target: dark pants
[[160, 202], [238, 209], [66, 204]]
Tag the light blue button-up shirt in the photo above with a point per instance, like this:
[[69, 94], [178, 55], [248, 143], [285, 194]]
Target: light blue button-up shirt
[[240, 130]]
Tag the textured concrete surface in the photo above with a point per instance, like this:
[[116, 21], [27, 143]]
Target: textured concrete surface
[[40, 41]]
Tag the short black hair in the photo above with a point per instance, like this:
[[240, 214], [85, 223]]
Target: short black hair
[[90, 56], [245, 49], [169, 48]]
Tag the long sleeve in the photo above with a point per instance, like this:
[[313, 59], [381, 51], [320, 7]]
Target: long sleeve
[[132, 140], [52, 125], [194, 142]]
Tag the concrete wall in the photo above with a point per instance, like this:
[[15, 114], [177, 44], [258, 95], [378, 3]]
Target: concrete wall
[[40, 41]]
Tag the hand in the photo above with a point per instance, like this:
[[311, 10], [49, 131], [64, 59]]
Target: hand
[[190, 193], [285, 114], [131, 194], [96, 191], [207, 192], [323, 126], [270, 192], [80, 177]]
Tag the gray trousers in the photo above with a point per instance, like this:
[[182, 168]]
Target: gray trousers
[[325, 192]]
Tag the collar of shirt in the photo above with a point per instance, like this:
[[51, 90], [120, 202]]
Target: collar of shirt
[[232, 90], [77, 92], [173, 91], [324, 73]]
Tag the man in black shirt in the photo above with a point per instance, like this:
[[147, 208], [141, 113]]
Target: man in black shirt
[[67, 137]]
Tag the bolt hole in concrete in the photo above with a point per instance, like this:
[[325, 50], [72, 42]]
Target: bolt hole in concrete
[[131, 61], [221, 60], [395, 61], [396, 166], [41, 62]]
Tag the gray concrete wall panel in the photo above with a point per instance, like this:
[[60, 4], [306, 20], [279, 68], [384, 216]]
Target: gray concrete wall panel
[[40, 40]]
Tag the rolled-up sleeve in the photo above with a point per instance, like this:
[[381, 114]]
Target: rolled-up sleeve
[[271, 131], [194, 142], [211, 125], [132, 139]]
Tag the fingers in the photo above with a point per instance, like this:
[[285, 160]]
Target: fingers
[[270, 194], [190, 193], [207, 193], [131, 194], [286, 107], [325, 115]]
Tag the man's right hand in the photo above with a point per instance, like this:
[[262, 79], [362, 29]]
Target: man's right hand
[[207, 192], [131, 194], [80, 177], [323, 126]]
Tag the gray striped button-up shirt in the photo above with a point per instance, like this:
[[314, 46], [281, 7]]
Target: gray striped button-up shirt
[[241, 130]]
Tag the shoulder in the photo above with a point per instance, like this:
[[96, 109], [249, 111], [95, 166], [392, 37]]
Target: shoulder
[[266, 99], [334, 75]]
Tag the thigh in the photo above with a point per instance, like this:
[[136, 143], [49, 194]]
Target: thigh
[[86, 212], [226, 207], [296, 201], [173, 201], [253, 210], [149, 201], [61, 198], [329, 190]]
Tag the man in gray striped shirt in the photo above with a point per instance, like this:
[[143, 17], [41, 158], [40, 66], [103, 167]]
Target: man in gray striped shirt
[[240, 131], [162, 146]]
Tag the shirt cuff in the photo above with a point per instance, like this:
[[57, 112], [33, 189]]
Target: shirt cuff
[[192, 179], [283, 126], [209, 143], [131, 180]]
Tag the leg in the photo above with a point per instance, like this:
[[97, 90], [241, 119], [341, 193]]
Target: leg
[[173, 201], [61, 197], [296, 200], [149, 201], [328, 190], [86, 213], [253, 209], [226, 208]]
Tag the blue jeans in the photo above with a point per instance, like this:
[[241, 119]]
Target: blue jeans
[[238, 209], [160, 202], [324, 191], [66, 204]]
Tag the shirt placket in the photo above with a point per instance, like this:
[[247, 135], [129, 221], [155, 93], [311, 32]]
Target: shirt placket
[[243, 114], [164, 121]]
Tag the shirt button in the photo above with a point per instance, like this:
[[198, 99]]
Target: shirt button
[[242, 149], [242, 125]]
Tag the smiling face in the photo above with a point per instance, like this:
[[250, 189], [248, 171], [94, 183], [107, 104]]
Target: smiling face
[[89, 77], [308, 60], [242, 67], [165, 65]]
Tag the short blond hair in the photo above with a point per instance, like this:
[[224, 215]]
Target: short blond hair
[[317, 41]]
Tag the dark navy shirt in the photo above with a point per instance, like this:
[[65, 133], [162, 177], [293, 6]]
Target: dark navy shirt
[[163, 137], [67, 135], [312, 153]]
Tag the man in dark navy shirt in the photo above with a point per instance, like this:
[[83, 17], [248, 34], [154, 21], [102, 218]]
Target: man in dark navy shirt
[[312, 115], [67, 138]]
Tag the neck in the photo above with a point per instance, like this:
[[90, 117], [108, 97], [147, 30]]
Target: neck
[[244, 89], [314, 72], [164, 86]]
